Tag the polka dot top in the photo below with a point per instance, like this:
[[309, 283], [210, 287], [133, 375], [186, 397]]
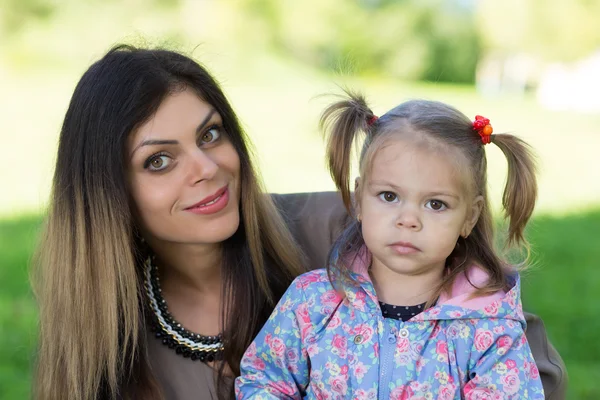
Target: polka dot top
[[403, 313]]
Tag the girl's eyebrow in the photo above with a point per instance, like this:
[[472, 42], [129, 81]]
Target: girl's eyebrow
[[399, 189], [154, 142], [384, 183], [433, 194]]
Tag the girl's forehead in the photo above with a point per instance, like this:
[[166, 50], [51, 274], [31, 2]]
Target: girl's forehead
[[423, 162], [413, 149]]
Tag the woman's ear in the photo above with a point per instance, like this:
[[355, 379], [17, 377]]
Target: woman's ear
[[472, 216]]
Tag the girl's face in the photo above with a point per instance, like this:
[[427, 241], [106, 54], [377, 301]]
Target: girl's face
[[414, 204], [184, 174]]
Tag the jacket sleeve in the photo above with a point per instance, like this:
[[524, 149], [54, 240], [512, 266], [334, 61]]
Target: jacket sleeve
[[501, 363], [275, 366]]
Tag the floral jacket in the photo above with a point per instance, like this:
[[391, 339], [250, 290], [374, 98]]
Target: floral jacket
[[318, 344]]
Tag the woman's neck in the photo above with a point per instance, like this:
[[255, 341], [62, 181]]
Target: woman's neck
[[190, 280], [191, 267]]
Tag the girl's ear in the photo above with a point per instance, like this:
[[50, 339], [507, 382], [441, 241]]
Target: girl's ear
[[357, 194], [472, 216]]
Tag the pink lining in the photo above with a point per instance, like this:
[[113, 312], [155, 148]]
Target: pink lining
[[462, 289], [360, 263]]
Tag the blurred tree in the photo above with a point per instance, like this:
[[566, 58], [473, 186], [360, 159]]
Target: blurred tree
[[429, 39], [14, 14], [558, 30]]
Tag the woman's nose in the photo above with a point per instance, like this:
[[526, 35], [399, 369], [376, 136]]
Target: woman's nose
[[203, 167]]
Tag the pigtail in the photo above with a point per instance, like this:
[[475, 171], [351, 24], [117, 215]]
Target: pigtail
[[520, 192], [341, 122]]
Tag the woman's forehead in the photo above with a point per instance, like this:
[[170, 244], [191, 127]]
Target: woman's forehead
[[180, 114]]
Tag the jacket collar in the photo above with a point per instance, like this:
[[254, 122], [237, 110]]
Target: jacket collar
[[458, 302]]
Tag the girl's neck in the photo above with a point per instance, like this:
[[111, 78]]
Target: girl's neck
[[404, 289]]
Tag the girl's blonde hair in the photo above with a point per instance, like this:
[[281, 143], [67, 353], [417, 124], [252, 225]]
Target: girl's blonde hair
[[433, 121]]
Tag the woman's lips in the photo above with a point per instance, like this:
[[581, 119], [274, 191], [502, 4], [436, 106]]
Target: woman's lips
[[211, 204]]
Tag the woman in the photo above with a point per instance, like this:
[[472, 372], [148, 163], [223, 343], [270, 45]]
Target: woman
[[161, 257], [155, 199]]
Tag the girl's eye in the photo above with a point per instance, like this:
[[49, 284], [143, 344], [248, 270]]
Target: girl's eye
[[210, 136], [436, 205], [388, 197], [158, 162]]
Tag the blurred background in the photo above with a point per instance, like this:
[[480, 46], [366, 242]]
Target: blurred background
[[531, 66]]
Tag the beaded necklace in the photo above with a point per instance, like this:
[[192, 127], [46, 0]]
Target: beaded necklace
[[172, 334]]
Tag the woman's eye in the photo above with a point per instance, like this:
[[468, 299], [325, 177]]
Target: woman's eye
[[388, 197], [436, 205], [211, 135], [158, 163]]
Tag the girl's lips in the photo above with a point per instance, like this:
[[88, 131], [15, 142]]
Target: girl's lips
[[404, 248], [211, 204]]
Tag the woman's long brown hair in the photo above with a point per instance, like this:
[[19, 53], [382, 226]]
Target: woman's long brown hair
[[87, 272]]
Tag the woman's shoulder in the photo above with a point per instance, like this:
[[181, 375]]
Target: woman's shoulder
[[315, 220]]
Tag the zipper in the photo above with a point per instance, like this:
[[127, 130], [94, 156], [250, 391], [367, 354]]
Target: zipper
[[386, 358]]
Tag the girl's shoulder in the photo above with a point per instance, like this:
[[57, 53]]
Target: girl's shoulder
[[312, 279], [314, 288]]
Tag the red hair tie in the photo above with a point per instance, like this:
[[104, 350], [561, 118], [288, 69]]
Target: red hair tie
[[482, 126], [372, 120]]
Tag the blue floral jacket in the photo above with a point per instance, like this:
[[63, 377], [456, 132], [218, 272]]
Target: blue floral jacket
[[320, 344]]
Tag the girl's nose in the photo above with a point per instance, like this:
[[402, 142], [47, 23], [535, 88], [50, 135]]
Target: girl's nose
[[409, 219]]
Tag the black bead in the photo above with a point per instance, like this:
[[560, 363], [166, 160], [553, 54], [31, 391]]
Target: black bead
[[166, 338]]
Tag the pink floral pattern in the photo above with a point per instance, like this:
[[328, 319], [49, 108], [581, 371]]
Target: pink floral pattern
[[318, 344]]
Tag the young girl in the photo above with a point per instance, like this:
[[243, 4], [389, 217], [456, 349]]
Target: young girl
[[415, 302]]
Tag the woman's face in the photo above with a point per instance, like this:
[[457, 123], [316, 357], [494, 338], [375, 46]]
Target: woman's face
[[184, 174]]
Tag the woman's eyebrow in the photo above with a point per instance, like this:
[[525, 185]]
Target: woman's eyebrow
[[153, 142], [205, 120]]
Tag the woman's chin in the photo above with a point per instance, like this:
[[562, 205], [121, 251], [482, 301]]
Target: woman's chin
[[217, 231]]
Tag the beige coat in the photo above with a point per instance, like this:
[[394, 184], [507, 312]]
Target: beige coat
[[315, 220]]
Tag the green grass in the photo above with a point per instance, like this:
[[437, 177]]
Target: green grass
[[17, 307], [561, 288]]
